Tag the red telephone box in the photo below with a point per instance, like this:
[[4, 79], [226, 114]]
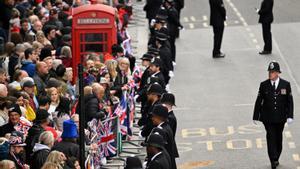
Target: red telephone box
[[93, 31]]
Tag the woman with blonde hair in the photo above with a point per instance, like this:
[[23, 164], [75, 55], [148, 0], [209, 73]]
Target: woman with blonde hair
[[40, 37], [7, 164], [112, 68], [50, 165], [37, 47], [59, 107], [57, 158]]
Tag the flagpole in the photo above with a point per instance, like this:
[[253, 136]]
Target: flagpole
[[81, 117]]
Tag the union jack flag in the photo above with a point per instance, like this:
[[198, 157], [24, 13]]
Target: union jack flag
[[108, 140], [121, 112]]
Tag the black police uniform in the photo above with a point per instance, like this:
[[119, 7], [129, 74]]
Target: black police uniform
[[266, 18], [171, 147], [173, 26], [217, 18], [166, 58], [172, 122], [161, 160], [272, 107], [151, 8]]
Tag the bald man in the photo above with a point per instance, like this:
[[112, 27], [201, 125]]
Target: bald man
[[41, 77]]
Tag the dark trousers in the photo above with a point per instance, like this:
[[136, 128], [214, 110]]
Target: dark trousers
[[274, 140], [218, 36], [173, 47], [267, 36]]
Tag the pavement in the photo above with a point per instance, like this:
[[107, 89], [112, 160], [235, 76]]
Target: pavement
[[215, 97]]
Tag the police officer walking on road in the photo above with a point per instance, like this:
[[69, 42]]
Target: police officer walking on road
[[266, 18], [217, 19], [274, 107]]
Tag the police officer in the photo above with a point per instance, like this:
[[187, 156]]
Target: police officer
[[217, 19], [173, 25], [160, 121], [141, 95], [155, 71], [158, 158], [266, 18], [154, 93], [165, 56], [151, 8], [168, 100], [274, 107]]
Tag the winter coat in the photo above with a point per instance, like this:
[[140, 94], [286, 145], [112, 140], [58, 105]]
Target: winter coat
[[29, 67], [39, 155]]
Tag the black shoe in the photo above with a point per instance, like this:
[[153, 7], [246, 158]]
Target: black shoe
[[219, 55], [276, 163], [265, 52]]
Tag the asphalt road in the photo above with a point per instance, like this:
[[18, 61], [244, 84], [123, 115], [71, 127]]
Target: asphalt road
[[215, 97]]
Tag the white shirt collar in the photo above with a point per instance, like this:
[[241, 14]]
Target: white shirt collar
[[155, 156], [276, 82], [160, 124], [153, 75]]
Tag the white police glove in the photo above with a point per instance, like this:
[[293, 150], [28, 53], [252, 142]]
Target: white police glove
[[289, 121], [256, 10], [171, 73], [136, 97], [256, 122]]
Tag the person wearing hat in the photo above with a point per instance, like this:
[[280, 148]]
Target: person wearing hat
[[28, 86], [153, 50], [14, 115], [154, 92], [133, 163], [274, 107], [165, 55], [174, 26], [160, 121], [217, 19], [158, 158], [16, 150], [39, 125], [151, 8], [68, 145], [168, 100], [155, 71], [141, 95]]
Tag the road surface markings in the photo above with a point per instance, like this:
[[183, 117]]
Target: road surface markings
[[296, 157], [205, 24], [186, 19], [204, 17], [246, 104], [288, 134], [193, 19], [243, 21], [191, 26], [289, 71], [292, 145]]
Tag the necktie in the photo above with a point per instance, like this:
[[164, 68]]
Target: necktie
[[274, 86]]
